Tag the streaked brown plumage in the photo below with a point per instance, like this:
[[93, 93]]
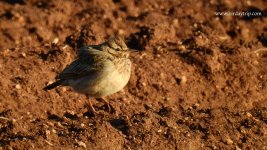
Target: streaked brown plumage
[[99, 70]]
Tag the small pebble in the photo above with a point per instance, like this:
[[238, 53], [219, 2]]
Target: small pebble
[[54, 131], [182, 48], [255, 62], [229, 141], [196, 105], [17, 86], [249, 115], [159, 48], [175, 21], [47, 132], [50, 82], [82, 144], [55, 41], [188, 134], [70, 112], [23, 54], [223, 38], [183, 80], [64, 89], [143, 55], [186, 118], [158, 56], [143, 83]]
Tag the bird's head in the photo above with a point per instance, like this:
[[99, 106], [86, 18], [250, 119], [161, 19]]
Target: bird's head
[[117, 43], [116, 47]]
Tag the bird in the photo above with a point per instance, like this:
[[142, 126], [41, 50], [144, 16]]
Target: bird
[[98, 71]]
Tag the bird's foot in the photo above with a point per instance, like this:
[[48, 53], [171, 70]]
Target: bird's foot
[[91, 110], [110, 108]]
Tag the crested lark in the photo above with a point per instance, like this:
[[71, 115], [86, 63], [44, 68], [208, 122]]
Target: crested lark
[[99, 71]]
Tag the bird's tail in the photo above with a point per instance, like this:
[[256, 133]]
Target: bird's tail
[[53, 85]]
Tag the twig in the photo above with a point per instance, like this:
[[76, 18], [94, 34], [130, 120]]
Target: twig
[[259, 50], [49, 143]]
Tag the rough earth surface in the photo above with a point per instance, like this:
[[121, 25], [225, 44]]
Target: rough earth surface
[[198, 81]]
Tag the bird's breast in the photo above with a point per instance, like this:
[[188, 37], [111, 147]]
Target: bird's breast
[[118, 78], [109, 81]]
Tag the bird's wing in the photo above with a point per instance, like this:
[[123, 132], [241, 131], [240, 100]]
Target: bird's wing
[[89, 62]]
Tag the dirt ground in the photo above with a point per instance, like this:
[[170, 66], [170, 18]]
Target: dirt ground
[[198, 81]]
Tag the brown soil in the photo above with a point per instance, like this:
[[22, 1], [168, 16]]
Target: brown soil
[[198, 82]]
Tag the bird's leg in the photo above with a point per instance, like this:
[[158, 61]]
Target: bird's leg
[[110, 107], [91, 107]]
